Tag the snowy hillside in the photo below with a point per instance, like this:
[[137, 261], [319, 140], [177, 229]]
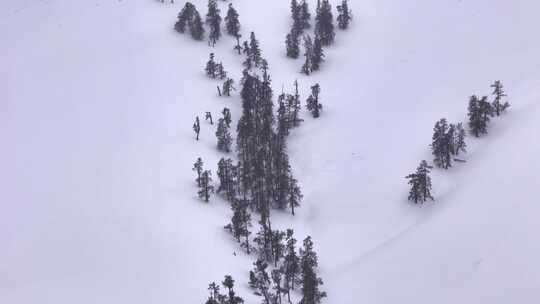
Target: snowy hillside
[[97, 195]]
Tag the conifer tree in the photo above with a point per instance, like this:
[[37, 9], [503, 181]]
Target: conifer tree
[[211, 67], [311, 293], [276, 279], [498, 105], [254, 50], [227, 175], [324, 24], [223, 135], [308, 54], [196, 28], [227, 116], [213, 19], [459, 140], [206, 188], [295, 106], [344, 15], [313, 104], [232, 298], [442, 145], [295, 195], [480, 111], [198, 167], [305, 16], [278, 248], [184, 17], [240, 223], [295, 15], [228, 87], [231, 22], [260, 281], [420, 182], [293, 44], [318, 54], [197, 127], [291, 264], [208, 116], [220, 71]]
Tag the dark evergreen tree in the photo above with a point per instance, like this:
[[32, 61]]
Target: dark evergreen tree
[[184, 17], [278, 248], [344, 15], [307, 68], [197, 127], [232, 298], [295, 195], [291, 265], [198, 167], [206, 188], [223, 135], [196, 28], [238, 47], [227, 175], [313, 104], [442, 145], [479, 115], [220, 71], [295, 15], [228, 87], [295, 105], [277, 280], [324, 23], [213, 19], [311, 283], [240, 223], [420, 182], [293, 44], [498, 105], [254, 50], [211, 67], [260, 281], [231, 22], [304, 16], [318, 54], [215, 296], [459, 140], [227, 116]]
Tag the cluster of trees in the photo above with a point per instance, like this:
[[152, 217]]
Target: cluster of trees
[[281, 270], [216, 297], [215, 70], [324, 31], [448, 140], [190, 18]]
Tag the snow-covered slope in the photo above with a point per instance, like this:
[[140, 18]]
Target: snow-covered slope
[[97, 199]]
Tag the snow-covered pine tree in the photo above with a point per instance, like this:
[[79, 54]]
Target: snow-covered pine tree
[[198, 167], [291, 265], [254, 50], [295, 105], [228, 87], [184, 17], [206, 188], [197, 127], [313, 104], [295, 195], [232, 298], [227, 116], [459, 140], [213, 19], [311, 293], [277, 245], [318, 54], [344, 15], [442, 144], [260, 281], [224, 139], [308, 55], [420, 182], [498, 105], [232, 23], [479, 114], [304, 16], [293, 44], [240, 223], [324, 23], [211, 67], [220, 71], [196, 28]]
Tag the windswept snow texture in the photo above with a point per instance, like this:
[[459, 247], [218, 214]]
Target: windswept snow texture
[[97, 198]]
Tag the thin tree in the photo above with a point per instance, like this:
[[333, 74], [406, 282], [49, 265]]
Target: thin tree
[[197, 127], [498, 105], [420, 182], [313, 104], [198, 167], [206, 188]]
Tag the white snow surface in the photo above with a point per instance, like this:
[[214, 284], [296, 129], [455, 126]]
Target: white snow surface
[[97, 197]]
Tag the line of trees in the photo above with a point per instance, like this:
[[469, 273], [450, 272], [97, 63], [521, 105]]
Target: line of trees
[[448, 140]]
